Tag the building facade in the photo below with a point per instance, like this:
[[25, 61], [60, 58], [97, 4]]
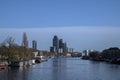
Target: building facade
[[56, 43], [34, 44], [58, 46]]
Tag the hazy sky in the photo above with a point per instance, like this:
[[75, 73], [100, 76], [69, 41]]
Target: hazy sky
[[80, 38], [83, 24]]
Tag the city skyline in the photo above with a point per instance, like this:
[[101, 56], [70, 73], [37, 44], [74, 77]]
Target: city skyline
[[59, 46], [79, 38]]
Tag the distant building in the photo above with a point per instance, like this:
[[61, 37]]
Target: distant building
[[65, 49], [70, 50], [68, 54], [86, 52], [56, 43], [58, 46], [25, 40], [52, 49], [35, 54], [61, 46], [34, 44]]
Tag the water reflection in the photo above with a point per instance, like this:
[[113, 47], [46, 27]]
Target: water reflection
[[64, 69], [14, 74], [18, 73], [59, 69]]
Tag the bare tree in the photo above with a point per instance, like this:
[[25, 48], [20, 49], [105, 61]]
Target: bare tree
[[8, 42]]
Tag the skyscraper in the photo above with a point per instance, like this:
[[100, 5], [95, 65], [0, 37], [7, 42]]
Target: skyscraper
[[34, 44], [52, 49], [60, 45], [25, 40], [56, 43], [65, 49]]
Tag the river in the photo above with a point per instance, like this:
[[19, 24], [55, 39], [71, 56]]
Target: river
[[64, 69]]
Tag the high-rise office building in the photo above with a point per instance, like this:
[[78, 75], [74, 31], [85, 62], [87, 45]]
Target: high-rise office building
[[52, 49], [60, 43], [56, 43], [60, 46], [65, 49], [34, 44]]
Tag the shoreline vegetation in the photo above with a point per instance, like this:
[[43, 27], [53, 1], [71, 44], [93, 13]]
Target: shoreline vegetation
[[111, 55], [14, 55]]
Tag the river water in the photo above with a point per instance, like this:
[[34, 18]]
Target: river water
[[64, 69]]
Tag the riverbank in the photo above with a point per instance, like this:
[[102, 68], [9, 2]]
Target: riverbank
[[110, 55], [4, 65], [111, 61]]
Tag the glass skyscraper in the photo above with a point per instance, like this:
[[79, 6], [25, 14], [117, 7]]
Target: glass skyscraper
[[56, 43]]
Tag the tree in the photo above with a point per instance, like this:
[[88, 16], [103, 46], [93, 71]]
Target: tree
[[95, 55], [14, 55], [9, 42], [3, 52], [111, 53], [9, 50]]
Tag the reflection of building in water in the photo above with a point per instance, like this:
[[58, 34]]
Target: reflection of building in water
[[18, 73], [59, 69]]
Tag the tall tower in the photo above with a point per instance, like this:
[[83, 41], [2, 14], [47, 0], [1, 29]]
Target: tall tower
[[61, 45], [56, 43], [25, 41], [34, 44], [65, 49]]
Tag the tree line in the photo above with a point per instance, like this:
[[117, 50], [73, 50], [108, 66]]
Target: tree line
[[111, 55]]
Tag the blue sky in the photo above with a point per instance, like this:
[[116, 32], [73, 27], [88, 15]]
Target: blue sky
[[84, 24], [57, 13]]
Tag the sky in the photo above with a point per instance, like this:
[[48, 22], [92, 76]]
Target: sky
[[79, 38], [57, 13], [83, 24]]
